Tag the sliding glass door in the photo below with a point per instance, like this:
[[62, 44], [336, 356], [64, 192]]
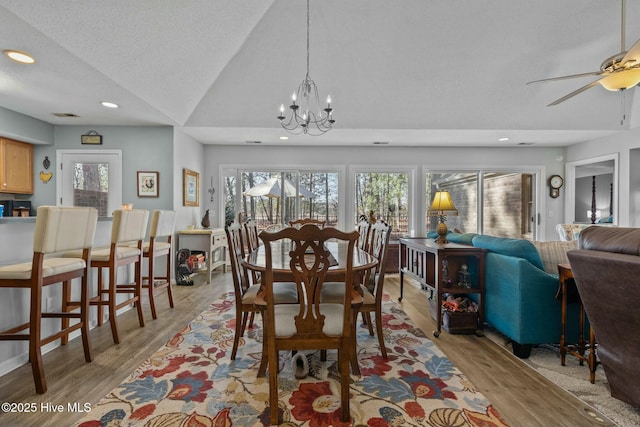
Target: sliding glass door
[[277, 197], [498, 203]]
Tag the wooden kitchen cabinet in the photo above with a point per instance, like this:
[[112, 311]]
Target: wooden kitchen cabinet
[[16, 167]]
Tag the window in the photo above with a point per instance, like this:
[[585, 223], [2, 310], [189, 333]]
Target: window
[[91, 186], [463, 188], [90, 178], [386, 194], [496, 203], [257, 195]]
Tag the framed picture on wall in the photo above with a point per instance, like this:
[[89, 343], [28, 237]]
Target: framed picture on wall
[[190, 188], [148, 184]]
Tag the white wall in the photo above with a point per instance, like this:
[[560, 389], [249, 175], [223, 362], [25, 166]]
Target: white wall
[[25, 128], [188, 153], [422, 158]]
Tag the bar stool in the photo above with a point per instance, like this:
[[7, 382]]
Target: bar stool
[[128, 228], [58, 229], [162, 227]]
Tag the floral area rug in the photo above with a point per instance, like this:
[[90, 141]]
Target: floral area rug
[[192, 382]]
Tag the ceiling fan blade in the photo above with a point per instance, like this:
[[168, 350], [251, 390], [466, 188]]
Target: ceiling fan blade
[[572, 76], [632, 54], [574, 93]]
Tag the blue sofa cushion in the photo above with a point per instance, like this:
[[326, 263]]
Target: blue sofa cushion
[[512, 247]]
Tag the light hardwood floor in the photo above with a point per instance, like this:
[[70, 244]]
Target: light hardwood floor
[[523, 397]]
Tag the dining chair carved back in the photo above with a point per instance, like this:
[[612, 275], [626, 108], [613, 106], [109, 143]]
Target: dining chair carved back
[[298, 223], [245, 291], [309, 324], [251, 234], [159, 245], [57, 229], [363, 226], [371, 285], [252, 240]]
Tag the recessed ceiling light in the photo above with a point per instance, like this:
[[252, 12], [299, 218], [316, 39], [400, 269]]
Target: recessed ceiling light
[[503, 139], [18, 56], [109, 104], [284, 138]]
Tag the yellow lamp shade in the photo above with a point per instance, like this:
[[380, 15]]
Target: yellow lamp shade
[[442, 203], [621, 80]]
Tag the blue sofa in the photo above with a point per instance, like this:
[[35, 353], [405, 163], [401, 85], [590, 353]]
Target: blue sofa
[[520, 300]]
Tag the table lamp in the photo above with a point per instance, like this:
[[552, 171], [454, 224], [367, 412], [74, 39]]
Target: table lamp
[[440, 207]]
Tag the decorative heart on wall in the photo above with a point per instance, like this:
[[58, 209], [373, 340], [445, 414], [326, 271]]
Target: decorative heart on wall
[[45, 177]]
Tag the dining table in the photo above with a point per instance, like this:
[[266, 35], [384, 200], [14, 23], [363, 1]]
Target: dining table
[[363, 261], [280, 259]]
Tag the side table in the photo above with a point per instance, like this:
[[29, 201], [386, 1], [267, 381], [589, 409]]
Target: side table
[[213, 241], [578, 350], [424, 260]]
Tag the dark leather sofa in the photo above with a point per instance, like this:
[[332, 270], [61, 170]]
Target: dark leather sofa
[[606, 268]]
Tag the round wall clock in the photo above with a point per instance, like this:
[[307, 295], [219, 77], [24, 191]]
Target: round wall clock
[[555, 182]]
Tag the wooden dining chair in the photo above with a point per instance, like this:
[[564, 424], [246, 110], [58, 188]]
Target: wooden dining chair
[[159, 245], [128, 231], [272, 228], [245, 291], [57, 229], [372, 283], [309, 324], [251, 234], [297, 223], [363, 226], [252, 243]]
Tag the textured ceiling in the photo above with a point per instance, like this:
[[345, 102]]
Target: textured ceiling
[[410, 72]]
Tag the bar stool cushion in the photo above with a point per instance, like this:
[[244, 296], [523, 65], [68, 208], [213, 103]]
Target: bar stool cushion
[[104, 253], [159, 247], [50, 267]]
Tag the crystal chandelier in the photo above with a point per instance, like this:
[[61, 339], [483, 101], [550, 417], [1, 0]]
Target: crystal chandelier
[[307, 116]]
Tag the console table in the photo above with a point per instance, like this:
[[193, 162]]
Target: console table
[[423, 259], [212, 241]]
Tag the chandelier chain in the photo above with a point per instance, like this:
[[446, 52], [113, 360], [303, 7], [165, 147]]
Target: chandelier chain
[[307, 39]]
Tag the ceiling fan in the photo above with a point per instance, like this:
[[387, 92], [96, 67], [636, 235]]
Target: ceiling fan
[[618, 72]]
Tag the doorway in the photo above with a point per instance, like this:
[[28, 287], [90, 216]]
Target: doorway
[[592, 182], [90, 178]]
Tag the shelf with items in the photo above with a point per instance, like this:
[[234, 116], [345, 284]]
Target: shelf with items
[[212, 242], [445, 269]]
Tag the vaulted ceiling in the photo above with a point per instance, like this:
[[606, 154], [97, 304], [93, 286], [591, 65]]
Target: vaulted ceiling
[[411, 72]]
